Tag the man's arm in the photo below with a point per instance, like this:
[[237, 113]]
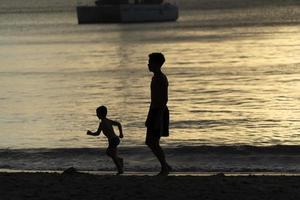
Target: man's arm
[[160, 94], [116, 123], [95, 133], [159, 100]]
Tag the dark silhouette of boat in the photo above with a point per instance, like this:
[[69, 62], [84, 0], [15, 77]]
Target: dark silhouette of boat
[[127, 11]]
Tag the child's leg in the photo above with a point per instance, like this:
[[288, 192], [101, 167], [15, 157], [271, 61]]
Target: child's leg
[[112, 152]]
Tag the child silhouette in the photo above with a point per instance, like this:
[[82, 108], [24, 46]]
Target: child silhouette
[[106, 126]]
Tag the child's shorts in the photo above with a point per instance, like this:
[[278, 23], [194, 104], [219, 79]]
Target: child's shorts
[[113, 142]]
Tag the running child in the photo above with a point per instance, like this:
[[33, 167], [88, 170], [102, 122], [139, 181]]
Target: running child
[[106, 126]]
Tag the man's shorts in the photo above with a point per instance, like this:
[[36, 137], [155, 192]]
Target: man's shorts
[[158, 123]]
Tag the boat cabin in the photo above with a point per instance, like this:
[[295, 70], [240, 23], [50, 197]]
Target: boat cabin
[[117, 2]]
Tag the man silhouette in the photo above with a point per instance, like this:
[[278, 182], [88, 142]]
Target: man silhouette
[[157, 122]]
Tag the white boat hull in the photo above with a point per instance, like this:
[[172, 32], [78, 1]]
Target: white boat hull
[[127, 13]]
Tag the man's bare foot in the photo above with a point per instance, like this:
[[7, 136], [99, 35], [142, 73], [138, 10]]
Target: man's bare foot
[[119, 172], [169, 168], [121, 161]]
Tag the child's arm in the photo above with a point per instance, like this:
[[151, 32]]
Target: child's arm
[[119, 127], [95, 133]]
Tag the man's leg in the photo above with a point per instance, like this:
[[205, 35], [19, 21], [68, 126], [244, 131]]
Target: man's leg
[[153, 143]]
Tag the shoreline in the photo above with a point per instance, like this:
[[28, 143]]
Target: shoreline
[[89, 186], [153, 173]]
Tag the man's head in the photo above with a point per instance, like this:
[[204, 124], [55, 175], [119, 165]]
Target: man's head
[[101, 112], [156, 60]]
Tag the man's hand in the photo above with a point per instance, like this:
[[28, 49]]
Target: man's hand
[[147, 123]]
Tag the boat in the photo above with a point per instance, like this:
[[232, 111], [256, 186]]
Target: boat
[[127, 11]]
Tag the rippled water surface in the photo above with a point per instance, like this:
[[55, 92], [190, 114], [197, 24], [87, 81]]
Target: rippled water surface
[[233, 74]]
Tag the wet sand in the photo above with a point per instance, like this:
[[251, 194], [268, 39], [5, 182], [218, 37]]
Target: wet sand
[[90, 186]]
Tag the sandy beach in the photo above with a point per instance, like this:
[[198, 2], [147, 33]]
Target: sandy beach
[[88, 186]]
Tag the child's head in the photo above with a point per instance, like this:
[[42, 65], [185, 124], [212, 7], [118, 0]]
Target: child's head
[[156, 60], [101, 112]]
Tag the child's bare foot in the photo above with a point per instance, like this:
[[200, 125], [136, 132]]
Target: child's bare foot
[[165, 170], [121, 166]]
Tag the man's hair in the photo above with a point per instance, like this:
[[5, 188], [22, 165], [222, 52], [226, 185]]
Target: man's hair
[[102, 110], [158, 58]]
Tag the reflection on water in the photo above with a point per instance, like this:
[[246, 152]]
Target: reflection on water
[[229, 84]]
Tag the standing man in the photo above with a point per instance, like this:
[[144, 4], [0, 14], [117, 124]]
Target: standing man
[[157, 122]]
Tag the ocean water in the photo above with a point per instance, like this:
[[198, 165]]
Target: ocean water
[[234, 93]]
